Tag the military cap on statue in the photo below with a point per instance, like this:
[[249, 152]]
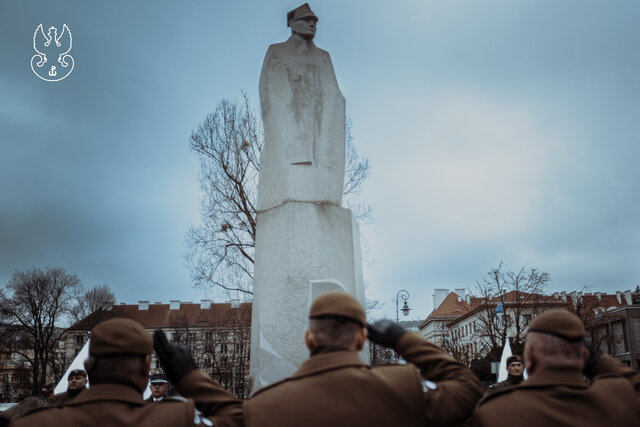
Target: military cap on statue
[[300, 12], [338, 304], [119, 337], [561, 324]]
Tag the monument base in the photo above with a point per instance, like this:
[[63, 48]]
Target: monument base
[[303, 250]]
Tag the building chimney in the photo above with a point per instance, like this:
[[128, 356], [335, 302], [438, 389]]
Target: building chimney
[[438, 296], [619, 295], [598, 296], [205, 304], [467, 298], [235, 303], [563, 296], [556, 295], [143, 305], [174, 304], [627, 297]]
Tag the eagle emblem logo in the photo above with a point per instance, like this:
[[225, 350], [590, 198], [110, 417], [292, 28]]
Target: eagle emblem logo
[[52, 61]]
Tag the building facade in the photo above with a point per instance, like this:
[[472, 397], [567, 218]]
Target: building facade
[[219, 335], [474, 330]]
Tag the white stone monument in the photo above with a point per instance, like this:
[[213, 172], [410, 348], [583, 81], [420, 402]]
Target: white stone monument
[[306, 243]]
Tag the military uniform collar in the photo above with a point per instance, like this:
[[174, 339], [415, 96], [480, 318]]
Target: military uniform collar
[[556, 376], [118, 392], [299, 44], [328, 361]]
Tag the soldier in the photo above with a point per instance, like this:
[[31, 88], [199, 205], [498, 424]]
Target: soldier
[[118, 370], [77, 383], [556, 393], [335, 387], [159, 385], [515, 369]]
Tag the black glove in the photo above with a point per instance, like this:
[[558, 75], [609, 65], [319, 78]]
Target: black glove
[[385, 333], [594, 356], [176, 359]]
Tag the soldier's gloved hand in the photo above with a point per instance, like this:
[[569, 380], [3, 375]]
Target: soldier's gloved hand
[[594, 356], [385, 333], [176, 359]]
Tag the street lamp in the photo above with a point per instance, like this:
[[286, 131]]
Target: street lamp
[[405, 307]]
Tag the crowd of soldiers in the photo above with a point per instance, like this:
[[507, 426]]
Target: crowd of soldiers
[[569, 383]]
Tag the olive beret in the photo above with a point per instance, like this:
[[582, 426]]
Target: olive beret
[[561, 324], [338, 304], [514, 358], [120, 337], [77, 373]]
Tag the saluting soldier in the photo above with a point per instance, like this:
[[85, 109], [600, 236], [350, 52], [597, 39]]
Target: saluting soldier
[[334, 387], [118, 369], [556, 393]]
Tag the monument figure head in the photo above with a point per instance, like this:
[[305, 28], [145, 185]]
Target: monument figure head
[[302, 21]]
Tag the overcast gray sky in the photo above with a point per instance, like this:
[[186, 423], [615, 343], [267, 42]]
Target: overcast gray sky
[[497, 131]]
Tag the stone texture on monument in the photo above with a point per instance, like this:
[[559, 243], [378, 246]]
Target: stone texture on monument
[[304, 126], [306, 244], [305, 250]]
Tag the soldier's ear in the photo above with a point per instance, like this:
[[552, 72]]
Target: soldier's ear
[[146, 365], [361, 339], [309, 339], [529, 359], [585, 356]]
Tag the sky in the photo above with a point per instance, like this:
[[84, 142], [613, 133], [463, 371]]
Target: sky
[[497, 131]]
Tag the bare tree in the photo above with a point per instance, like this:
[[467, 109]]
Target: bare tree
[[39, 303], [219, 344], [508, 301], [220, 251], [95, 301]]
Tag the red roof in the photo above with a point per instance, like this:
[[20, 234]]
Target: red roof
[[451, 306], [161, 316]]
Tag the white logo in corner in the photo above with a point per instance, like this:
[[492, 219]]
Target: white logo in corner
[[52, 61]]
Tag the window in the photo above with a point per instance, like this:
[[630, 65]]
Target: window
[[526, 319], [79, 339], [223, 348]]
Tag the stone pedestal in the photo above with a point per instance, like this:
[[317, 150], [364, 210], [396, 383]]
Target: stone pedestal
[[303, 249]]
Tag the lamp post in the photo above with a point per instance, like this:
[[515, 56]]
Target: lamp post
[[405, 307]]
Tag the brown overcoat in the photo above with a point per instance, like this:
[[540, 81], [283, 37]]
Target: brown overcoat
[[339, 389], [561, 397], [61, 398], [116, 405]]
